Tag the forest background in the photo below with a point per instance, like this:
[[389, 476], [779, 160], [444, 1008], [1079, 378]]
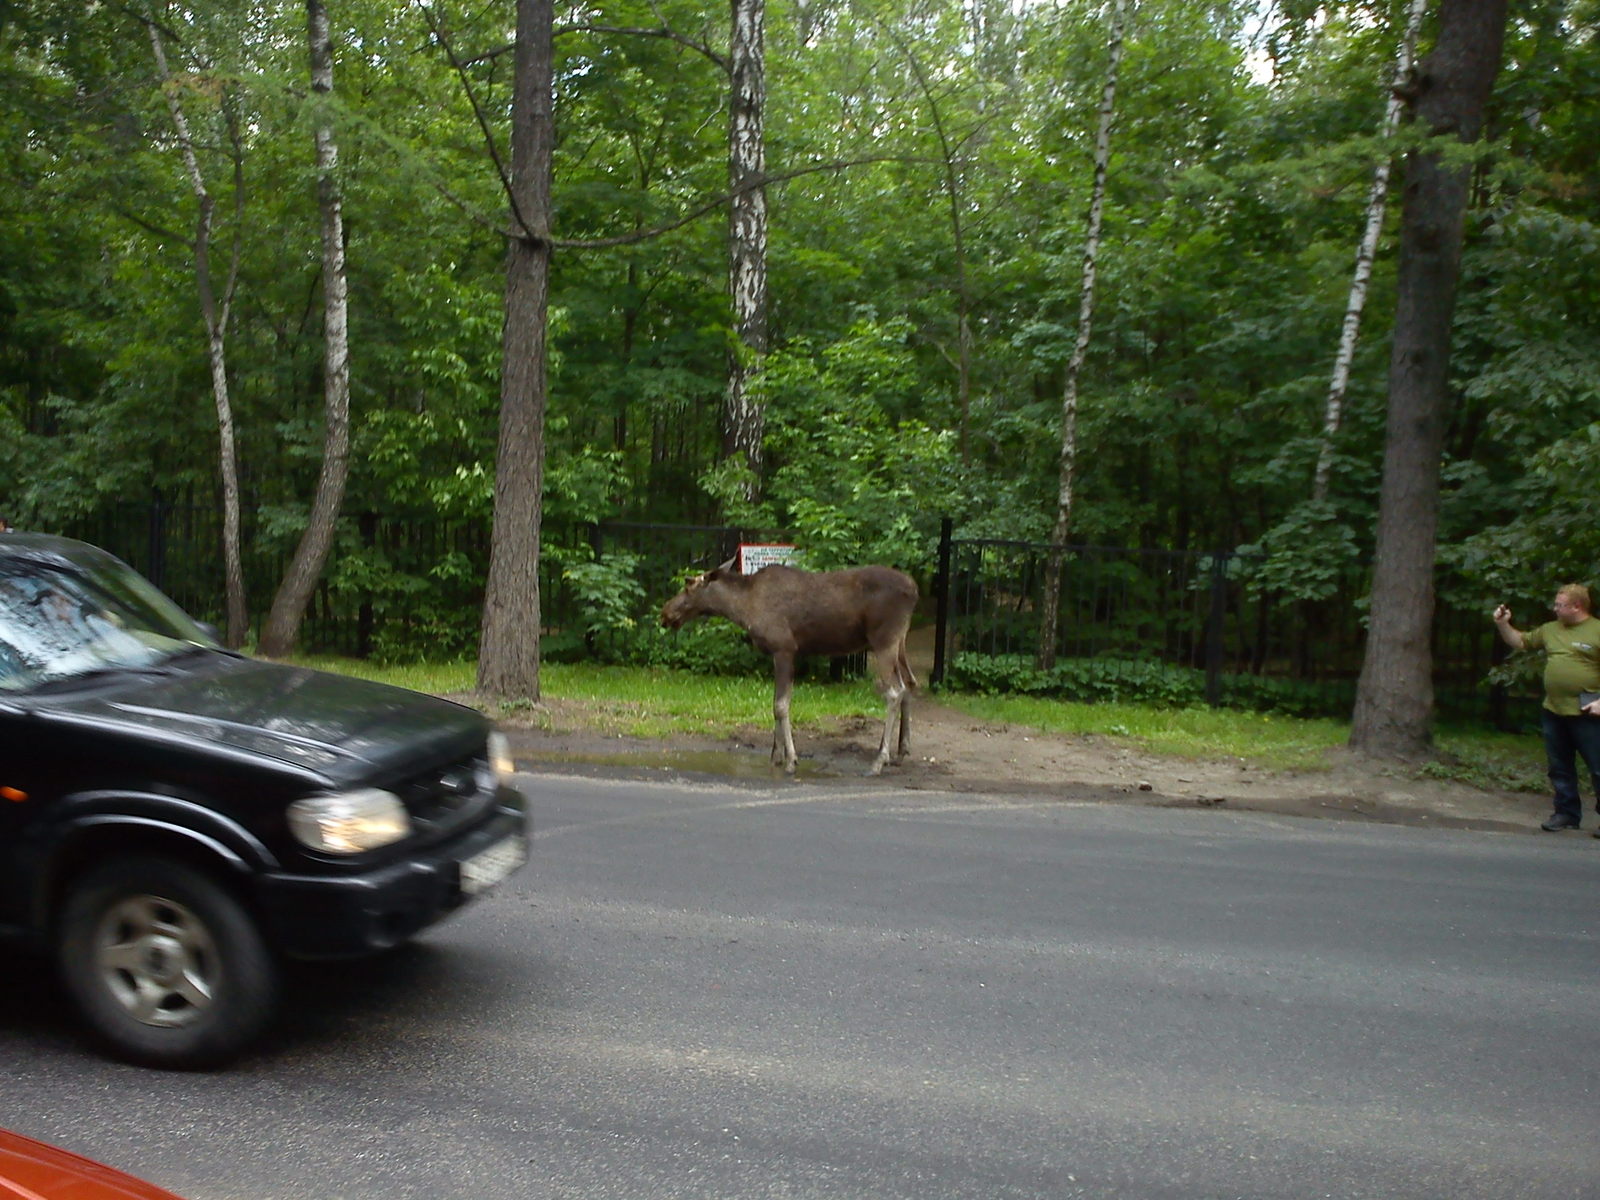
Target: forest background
[[928, 168]]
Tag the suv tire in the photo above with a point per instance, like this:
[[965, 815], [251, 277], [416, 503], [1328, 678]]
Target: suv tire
[[167, 967]]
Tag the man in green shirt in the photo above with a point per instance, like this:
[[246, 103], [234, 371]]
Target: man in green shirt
[[1572, 665]]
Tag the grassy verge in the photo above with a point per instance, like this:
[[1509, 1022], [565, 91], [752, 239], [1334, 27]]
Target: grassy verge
[[640, 702], [637, 701], [1285, 743]]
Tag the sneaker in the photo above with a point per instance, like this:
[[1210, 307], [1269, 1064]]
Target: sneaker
[[1558, 822]]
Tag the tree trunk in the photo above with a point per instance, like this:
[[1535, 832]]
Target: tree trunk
[[744, 417], [215, 313], [1394, 697], [311, 555], [1050, 605], [1333, 411], [508, 657]]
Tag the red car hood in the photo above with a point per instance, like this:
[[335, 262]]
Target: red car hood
[[31, 1170]]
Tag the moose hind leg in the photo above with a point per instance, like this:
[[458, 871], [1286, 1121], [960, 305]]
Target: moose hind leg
[[904, 748], [908, 681]]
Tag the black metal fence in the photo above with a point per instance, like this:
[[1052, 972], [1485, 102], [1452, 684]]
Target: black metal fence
[[411, 580], [1198, 610]]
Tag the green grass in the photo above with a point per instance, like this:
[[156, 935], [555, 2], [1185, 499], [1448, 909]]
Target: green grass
[[659, 703], [440, 679], [1285, 743], [648, 703], [639, 701], [1475, 756], [1512, 762]]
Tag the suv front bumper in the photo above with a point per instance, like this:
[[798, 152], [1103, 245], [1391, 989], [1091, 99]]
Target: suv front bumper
[[348, 916]]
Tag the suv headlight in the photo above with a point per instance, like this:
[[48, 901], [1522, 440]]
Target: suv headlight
[[349, 822], [500, 759]]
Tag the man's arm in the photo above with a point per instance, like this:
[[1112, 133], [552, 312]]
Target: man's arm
[[1502, 622]]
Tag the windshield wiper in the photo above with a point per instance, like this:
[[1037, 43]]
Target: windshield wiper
[[191, 650], [94, 675]]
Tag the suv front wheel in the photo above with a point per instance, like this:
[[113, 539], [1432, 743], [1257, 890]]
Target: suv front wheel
[[167, 967]]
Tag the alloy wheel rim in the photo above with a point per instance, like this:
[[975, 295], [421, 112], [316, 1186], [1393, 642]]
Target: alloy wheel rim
[[157, 960]]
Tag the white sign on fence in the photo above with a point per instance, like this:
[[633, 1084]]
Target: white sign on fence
[[753, 556]]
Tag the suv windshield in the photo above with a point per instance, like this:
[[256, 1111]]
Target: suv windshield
[[58, 624]]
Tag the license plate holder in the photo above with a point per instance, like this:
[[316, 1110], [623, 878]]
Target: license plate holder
[[488, 867]]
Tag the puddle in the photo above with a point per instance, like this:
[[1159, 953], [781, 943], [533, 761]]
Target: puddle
[[703, 762]]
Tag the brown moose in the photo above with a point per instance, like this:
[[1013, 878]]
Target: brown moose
[[788, 612]]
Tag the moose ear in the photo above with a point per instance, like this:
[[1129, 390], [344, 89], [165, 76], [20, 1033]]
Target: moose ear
[[731, 567]]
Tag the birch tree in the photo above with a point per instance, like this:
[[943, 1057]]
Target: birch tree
[[305, 568], [744, 418], [1377, 197], [1050, 605], [216, 310], [1394, 695]]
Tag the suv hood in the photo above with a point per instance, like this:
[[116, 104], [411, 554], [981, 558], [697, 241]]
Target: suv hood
[[336, 726]]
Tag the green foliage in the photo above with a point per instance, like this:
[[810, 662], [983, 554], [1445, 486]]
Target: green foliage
[[607, 591], [854, 479], [1306, 556], [422, 610], [704, 647], [1140, 681], [1079, 679], [1530, 355]]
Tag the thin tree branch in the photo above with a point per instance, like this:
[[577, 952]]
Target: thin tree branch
[[481, 117], [161, 231], [663, 32], [716, 202]]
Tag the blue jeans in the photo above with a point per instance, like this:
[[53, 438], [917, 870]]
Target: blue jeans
[[1565, 738]]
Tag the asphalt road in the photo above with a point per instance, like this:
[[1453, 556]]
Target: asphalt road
[[792, 991]]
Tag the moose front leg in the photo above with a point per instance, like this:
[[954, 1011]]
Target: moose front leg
[[894, 695], [782, 734]]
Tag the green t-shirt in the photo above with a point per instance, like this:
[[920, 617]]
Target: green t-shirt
[[1572, 662]]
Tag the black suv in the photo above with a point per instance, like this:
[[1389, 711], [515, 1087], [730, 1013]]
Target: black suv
[[176, 819]]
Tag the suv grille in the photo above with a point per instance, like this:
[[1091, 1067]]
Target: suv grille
[[447, 796]]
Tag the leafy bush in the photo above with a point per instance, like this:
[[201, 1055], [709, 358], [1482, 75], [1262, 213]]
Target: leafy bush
[[607, 590], [705, 647], [1142, 681], [1087, 680]]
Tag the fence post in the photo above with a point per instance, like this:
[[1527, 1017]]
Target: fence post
[[1214, 624], [157, 531], [367, 523], [597, 546], [1498, 718], [941, 601]]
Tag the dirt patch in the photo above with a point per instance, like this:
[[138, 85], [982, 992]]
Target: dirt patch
[[953, 752]]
